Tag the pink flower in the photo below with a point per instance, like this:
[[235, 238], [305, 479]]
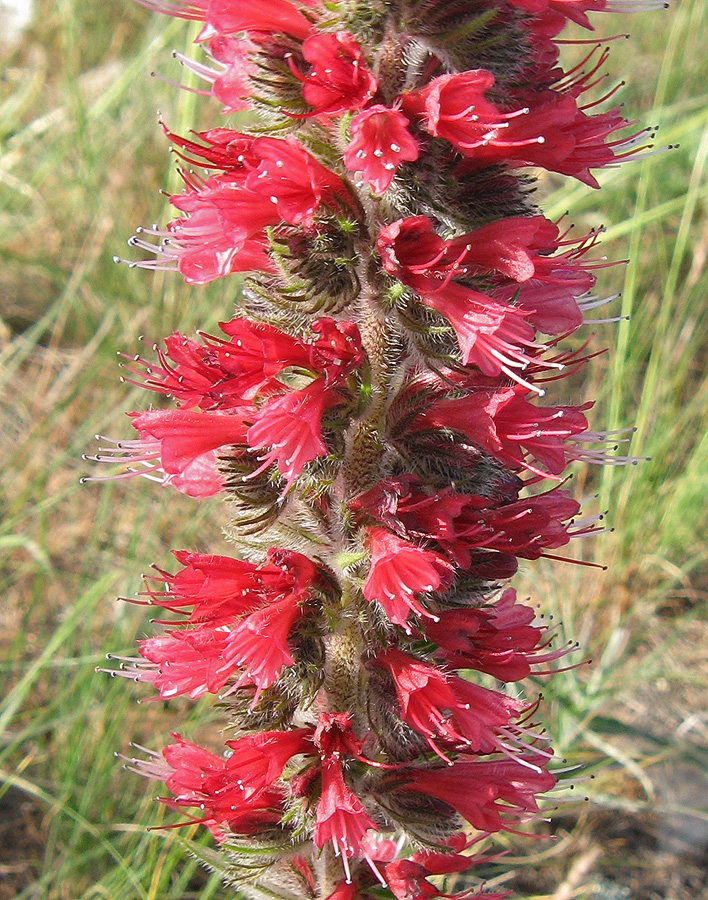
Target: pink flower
[[221, 233], [201, 259], [339, 80], [400, 570], [232, 85], [231, 73], [380, 143]]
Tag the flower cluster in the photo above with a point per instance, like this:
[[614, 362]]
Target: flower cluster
[[375, 415]]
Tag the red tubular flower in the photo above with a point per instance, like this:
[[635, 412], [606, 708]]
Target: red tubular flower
[[337, 351], [462, 523], [289, 429], [339, 80], [380, 143], [446, 708], [185, 437], [232, 84], [220, 589], [217, 148], [410, 250], [183, 662], [177, 447], [259, 644], [426, 701], [238, 793], [551, 132], [575, 10], [399, 571], [407, 878], [491, 796], [223, 17], [499, 640], [454, 108], [494, 337], [221, 233], [344, 890], [340, 817], [291, 179], [507, 426]]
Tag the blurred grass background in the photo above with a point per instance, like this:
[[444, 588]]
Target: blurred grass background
[[81, 164]]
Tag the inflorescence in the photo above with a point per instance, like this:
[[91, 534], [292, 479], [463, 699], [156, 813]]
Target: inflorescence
[[376, 415]]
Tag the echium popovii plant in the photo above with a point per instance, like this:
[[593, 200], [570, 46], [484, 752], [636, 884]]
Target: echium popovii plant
[[376, 414]]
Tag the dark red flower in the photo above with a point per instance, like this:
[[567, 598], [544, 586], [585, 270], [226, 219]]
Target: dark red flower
[[506, 425], [410, 250], [492, 336], [499, 639]]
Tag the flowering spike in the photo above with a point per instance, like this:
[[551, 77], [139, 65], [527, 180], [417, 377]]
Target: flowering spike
[[373, 415]]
